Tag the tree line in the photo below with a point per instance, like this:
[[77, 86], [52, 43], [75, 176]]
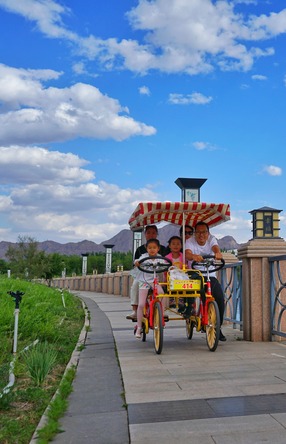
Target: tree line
[[25, 260]]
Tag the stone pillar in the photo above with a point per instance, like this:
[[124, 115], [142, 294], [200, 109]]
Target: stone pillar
[[256, 304], [98, 283], [117, 283], [110, 284], [92, 283], [125, 286], [105, 283]]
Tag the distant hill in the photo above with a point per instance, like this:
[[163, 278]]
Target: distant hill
[[122, 242]]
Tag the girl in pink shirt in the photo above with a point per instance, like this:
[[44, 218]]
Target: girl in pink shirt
[[176, 255]]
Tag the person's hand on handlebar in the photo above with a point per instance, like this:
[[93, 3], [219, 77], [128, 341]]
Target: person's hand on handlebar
[[197, 258], [218, 255]]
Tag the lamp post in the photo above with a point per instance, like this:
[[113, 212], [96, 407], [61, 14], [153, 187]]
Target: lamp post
[[108, 257], [190, 189], [63, 270], [84, 263], [137, 240], [265, 223]]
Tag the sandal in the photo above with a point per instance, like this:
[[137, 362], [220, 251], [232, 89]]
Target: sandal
[[138, 333]]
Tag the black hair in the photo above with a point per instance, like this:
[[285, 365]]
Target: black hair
[[151, 226], [155, 241], [186, 226], [173, 238], [202, 224]]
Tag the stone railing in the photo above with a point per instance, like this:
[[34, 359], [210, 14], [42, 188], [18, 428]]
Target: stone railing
[[118, 283]]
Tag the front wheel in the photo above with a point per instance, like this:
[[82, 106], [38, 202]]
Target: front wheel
[[158, 327], [213, 326], [189, 328], [144, 329]]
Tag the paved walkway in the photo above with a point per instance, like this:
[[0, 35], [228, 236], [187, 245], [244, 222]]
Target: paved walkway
[[236, 395]]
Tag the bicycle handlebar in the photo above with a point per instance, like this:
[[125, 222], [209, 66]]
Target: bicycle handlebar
[[210, 261], [157, 264]]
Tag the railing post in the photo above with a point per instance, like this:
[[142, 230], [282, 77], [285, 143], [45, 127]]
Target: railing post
[[278, 291], [256, 294]]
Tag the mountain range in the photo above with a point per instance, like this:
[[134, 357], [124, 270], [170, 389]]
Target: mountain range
[[123, 242]]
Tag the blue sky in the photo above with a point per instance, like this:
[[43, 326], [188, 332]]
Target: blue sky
[[104, 104]]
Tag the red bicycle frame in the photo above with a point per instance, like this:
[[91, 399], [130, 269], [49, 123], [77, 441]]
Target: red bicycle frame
[[204, 304], [149, 306]]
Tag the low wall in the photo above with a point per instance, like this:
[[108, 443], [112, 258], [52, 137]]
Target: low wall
[[118, 283]]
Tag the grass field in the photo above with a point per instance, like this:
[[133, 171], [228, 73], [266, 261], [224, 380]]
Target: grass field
[[49, 325]]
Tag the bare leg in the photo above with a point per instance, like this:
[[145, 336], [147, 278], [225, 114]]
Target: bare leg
[[134, 299], [143, 292], [164, 300]]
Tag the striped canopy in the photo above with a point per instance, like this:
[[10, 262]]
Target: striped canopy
[[178, 213]]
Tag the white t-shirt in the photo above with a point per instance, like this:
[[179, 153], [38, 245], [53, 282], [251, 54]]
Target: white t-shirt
[[191, 244], [145, 279]]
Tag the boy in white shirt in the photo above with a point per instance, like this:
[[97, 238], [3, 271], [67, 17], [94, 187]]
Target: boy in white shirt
[[203, 243]]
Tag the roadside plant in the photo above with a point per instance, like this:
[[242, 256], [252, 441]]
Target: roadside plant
[[40, 361], [55, 328]]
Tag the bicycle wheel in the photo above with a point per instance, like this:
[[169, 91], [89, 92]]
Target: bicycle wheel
[[158, 327], [213, 326], [189, 328], [144, 330]]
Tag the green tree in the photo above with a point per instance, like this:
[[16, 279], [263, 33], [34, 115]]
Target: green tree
[[4, 266], [57, 263], [26, 261], [96, 263], [73, 264], [122, 259]]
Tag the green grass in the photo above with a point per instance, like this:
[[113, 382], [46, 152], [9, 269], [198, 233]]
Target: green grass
[[40, 360], [38, 370], [56, 409]]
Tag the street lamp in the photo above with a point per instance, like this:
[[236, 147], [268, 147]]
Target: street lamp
[[265, 223], [108, 257], [190, 189], [84, 263], [137, 240]]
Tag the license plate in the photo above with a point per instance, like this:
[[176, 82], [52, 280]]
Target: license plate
[[190, 284]]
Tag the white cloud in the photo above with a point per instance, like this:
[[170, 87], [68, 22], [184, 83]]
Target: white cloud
[[52, 114], [73, 208], [201, 146], [199, 34], [51, 195], [65, 213], [273, 170], [33, 165], [258, 77], [144, 90], [194, 98], [79, 68], [47, 14], [5, 203], [247, 2], [180, 35], [239, 226]]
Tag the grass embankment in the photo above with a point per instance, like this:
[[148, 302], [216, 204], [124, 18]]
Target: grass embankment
[[55, 326]]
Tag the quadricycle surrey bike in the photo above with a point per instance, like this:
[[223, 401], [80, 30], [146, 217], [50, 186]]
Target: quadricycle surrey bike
[[190, 297]]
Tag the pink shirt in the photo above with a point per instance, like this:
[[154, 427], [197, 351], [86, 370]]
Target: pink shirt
[[178, 262]]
